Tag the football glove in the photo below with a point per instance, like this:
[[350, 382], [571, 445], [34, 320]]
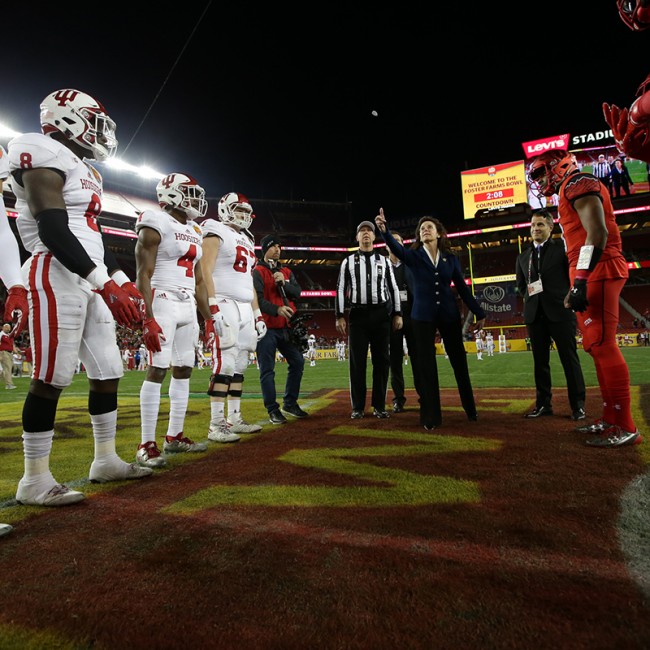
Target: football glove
[[152, 334], [136, 296], [260, 327], [16, 309], [578, 296], [218, 321], [631, 128], [120, 304]]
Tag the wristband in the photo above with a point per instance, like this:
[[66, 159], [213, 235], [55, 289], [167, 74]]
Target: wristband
[[98, 278], [257, 314], [120, 277], [588, 258]]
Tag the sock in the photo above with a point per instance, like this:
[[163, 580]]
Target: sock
[[217, 410], [149, 409], [234, 409], [104, 429], [36, 449], [179, 395]]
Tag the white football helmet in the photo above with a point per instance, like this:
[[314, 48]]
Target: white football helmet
[[234, 208], [82, 119], [183, 192]]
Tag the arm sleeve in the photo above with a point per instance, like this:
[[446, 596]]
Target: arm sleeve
[[10, 257], [110, 260], [55, 233]]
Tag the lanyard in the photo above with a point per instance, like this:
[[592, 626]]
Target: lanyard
[[539, 262]]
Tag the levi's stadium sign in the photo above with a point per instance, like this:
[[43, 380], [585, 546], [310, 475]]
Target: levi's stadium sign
[[536, 147]]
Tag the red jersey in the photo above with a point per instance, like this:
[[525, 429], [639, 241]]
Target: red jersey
[[612, 264]]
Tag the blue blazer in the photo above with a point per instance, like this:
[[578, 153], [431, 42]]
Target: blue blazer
[[433, 298]]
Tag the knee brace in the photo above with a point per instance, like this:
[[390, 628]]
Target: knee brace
[[219, 379], [99, 403], [236, 379], [38, 413]]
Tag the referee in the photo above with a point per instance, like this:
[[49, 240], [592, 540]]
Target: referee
[[367, 285]]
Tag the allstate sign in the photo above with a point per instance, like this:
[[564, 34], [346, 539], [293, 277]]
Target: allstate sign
[[495, 299]]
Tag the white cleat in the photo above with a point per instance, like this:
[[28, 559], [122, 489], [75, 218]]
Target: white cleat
[[117, 471], [58, 495], [5, 529], [181, 444], [243, 427], [148, 455], [220, 432]]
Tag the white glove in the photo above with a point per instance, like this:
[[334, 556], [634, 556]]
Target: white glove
[[260, 325]]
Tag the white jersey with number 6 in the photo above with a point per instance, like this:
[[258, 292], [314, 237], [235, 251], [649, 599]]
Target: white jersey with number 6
[[233, 271]]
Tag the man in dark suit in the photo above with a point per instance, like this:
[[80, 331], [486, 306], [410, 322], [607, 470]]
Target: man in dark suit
[[543, 281]]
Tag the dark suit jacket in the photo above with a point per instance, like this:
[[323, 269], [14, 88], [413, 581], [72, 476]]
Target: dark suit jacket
[[433, 297], [554, 269]]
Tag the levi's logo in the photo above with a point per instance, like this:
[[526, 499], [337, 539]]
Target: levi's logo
[[535, 147]]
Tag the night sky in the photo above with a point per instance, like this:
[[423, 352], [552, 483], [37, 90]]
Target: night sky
[[279, 104]]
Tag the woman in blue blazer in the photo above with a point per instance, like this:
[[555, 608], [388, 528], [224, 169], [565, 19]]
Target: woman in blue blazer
[[433, 269]]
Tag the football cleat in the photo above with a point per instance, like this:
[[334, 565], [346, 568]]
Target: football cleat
[[220, 432], [241, 426], [101, 472], [179, 443], [59, 495], [597, 427], [614, 436], [5, 529], [148, 455]]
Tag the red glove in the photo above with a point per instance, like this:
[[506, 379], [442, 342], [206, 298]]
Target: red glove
[[631, 128], [120, 304], [210, 335], [16, 309], [152, 334], [136, 296]]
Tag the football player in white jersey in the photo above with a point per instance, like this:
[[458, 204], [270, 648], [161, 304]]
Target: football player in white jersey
[[76, 290], [169, 277], [311, 349], [16, 307], [228, 262]]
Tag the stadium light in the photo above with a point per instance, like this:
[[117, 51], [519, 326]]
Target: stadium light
[[114, 163]]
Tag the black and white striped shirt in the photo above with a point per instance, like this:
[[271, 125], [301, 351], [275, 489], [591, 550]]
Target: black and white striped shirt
[[366, 279]]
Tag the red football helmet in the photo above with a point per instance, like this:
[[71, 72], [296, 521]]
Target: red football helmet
[[634, 13], [549, 169]]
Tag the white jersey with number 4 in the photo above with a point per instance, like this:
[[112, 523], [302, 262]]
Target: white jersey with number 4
[[233, 271], [179, 250], [82, 192]]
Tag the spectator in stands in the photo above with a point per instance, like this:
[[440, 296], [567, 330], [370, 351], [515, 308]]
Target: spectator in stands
[[402, 337], [542, 273], [366, 284], [598, 272], [435, 309], [621, 179], [277, 290]]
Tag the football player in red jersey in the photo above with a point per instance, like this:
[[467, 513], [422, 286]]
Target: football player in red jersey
[[631, 127], [77, 291], [598, 272]]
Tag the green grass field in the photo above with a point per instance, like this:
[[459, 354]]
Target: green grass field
[[512, 369]]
